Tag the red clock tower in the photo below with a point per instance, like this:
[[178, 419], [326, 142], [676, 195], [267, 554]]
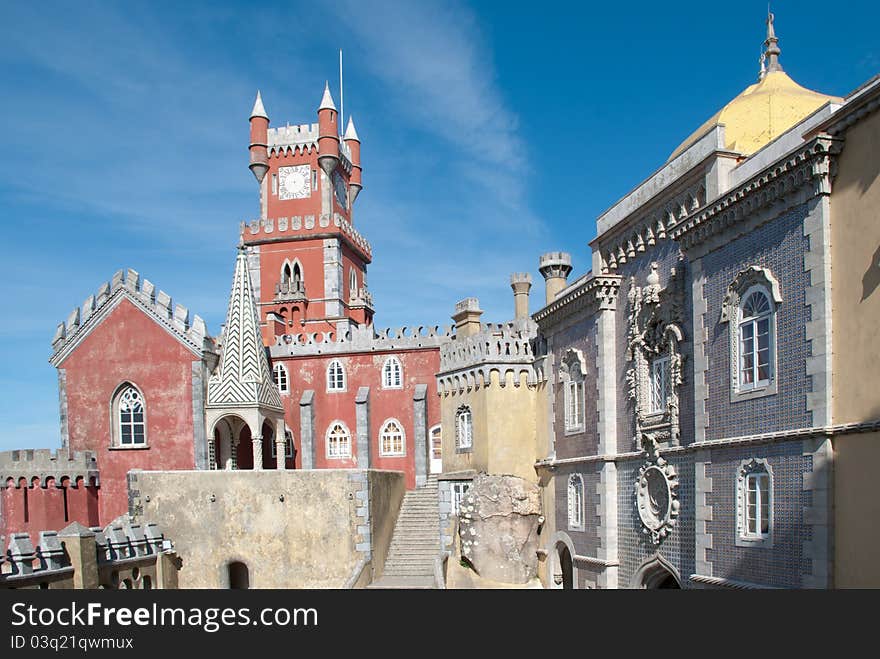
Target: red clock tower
[[308, 263]]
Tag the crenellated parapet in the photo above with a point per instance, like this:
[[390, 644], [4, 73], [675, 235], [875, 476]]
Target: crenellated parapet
[[37, 467], [362, 338], [283, 227], [142, 292], [299, 140]]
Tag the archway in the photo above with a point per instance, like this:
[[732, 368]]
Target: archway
[[239, 576], [656, 573], [564, 578]]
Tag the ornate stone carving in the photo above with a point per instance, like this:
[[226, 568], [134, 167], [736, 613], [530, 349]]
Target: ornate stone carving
[[654, 320], [744, 280], [657, 497]]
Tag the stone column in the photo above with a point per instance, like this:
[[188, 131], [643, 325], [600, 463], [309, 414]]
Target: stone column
[[280, 445], [362, 415], [258, 452], [420, 429]]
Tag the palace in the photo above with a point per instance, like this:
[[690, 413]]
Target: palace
[[696, 410]]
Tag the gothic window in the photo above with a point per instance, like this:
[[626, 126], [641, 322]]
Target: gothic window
[[279, 376], [129, 427], [391, 374], [391, 438], [755, 503], [575, 502], [338, 441], [756, 330], [336, 376], [286, 274], [572, 375], [352, 284], [464, 429], [658, 385]]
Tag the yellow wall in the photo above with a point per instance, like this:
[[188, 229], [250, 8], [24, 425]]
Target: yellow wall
[[855, 236]]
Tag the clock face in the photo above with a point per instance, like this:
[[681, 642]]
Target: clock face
[[295, 182], [340, 190]]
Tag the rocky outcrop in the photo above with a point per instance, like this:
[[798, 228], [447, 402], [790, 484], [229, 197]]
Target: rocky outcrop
[[498, 528]]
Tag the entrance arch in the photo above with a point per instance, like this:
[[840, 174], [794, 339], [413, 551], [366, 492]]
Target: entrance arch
[[239, 576], [562, 571], [656, 573]]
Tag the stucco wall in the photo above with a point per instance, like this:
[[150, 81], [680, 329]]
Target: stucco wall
[[308, 540]]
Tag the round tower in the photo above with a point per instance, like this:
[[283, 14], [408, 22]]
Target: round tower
[[328, 133], [555, 268], [353, 142], [259, 140]]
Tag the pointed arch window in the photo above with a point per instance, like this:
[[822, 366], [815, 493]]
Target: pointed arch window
[[129, 418], [392, 440], [279, 376], [576, 502], [338, 441], [352, 284], [464, 429], [335, 376], [392, 374]]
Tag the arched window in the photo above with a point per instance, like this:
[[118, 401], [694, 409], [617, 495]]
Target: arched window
[[335, 376], [279, 376], [756, 338], [392, 374], [352, 284], [129, 427], [338, 441], [464, 429], [658, 384], [572, 374], [575, 502], [286, 274], [392, 440], [755, 503]]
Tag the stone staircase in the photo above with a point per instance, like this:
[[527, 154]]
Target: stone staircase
[[415, 542]]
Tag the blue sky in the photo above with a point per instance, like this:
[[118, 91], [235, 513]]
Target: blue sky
[[492, 132]]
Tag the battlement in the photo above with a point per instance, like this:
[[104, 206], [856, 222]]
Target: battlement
[[279, 227], [142, 292], [362, 338], [555, 264], [291, 136], [38, 466], [502, 343], [122, 555]]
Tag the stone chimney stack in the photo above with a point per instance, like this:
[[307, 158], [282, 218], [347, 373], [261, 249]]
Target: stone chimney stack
[[521, 282], [467, 317], [555, 268]]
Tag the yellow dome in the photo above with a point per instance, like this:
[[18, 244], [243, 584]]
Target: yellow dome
[[761, 113]]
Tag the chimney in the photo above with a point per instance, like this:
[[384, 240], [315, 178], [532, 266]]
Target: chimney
[[521, 282], [555, 268], [467, 317]]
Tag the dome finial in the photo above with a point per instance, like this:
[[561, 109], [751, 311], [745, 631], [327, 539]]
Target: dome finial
[[771, 45]]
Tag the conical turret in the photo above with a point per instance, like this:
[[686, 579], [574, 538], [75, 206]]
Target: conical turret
[[328, 135], [259, 140], [353, 142]]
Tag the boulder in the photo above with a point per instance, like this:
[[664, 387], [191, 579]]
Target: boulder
[[498, 528]]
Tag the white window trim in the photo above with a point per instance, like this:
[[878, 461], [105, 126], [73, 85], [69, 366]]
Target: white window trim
[[575, 484], [116, 418], [750, 467], [652, 367], [388, 362], [573, 376], [383, 427], [344, 386], [276, 370], [461, 447], [343, 456]]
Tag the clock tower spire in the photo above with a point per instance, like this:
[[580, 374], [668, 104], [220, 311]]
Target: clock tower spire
[[308, 263]]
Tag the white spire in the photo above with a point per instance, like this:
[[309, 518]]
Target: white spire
[[259, 110], [327, 100], [350, 132]]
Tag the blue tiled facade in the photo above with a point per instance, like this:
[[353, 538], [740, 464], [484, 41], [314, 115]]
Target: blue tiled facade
[[580, 335]]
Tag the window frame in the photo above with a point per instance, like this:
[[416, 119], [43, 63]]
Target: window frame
[[575, 486], [458, 491], [754, 470], [464, 411], [288, 446], [382, 430], [281, 368], [330, 379], [346, 434], [392, 361], [116, 422], [663, 360], [573, 375]]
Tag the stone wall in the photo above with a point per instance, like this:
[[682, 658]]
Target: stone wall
[[292, 529]]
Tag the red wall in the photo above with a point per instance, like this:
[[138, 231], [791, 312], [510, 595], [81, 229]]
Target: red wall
[[130, 346], [362, 369], [45, 510]]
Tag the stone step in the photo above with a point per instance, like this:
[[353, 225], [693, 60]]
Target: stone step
[[399, 582], [427, 570]]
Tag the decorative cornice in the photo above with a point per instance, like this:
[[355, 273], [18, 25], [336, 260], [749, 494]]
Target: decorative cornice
[[595, 293], [810, 168], [299, 226], [361, 338], [142, 293]]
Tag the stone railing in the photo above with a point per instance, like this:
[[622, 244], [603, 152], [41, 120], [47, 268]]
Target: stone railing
[[175, 316], [282, 226], [122, 555]]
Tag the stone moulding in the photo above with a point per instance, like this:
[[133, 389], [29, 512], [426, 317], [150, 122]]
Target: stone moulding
[[266, 226], [595, 293], [810, 169]]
